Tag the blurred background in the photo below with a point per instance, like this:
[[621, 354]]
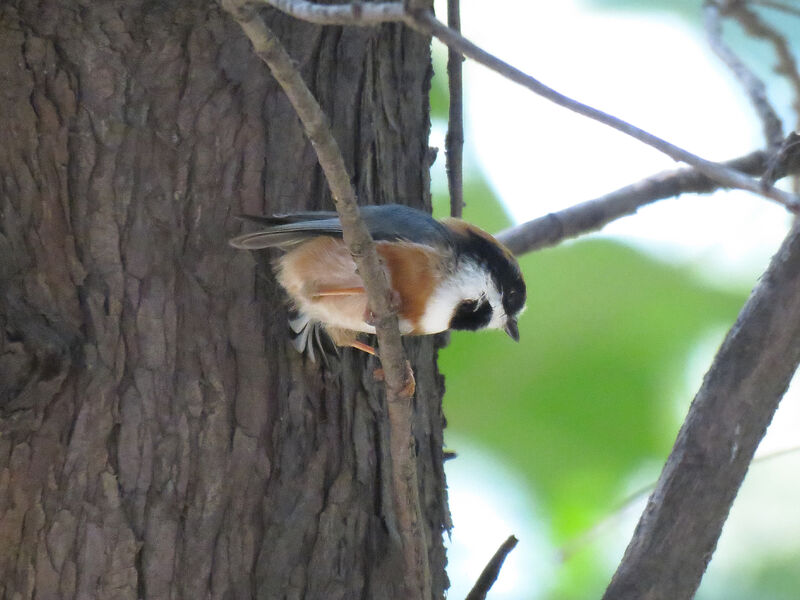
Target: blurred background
[[560, 438]]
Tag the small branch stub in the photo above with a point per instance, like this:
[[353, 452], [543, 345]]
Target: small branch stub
[[492, 570]]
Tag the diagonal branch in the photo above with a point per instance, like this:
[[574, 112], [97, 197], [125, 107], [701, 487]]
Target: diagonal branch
[[427, 23], [362, 247], [787, 65], [592, 215], [778, 5], [753, 86], [679, 529], [424, 22], [786, 160]]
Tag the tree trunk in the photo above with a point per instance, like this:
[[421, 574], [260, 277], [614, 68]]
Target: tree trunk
[[159, 436]]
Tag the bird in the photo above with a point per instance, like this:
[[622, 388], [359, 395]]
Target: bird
[[443, 274]]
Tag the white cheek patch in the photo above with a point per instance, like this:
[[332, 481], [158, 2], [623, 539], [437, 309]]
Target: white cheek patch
[[498, 313], [440, 309], [470, 282]]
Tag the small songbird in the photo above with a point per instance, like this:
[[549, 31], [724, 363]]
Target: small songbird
[[443, 274]]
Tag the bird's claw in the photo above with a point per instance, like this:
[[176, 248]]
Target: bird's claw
[[409, 382], [395, 303]]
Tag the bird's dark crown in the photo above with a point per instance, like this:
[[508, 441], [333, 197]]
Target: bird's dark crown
[[501, 264]]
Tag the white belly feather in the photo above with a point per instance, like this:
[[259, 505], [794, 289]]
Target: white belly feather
[[325, 264]]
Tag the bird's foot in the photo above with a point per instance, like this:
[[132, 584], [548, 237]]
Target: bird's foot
[[395, 302], [409, 382]]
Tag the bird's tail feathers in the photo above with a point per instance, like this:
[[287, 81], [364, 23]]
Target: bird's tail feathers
[[310, 337]]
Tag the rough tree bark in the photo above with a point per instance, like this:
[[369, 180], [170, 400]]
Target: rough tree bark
[[159, 438]]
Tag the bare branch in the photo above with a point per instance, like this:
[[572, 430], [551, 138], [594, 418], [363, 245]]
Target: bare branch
[[425, 22], [361, 246], [417, 5], [753, 86], [786, 159], [778, 5], [679, 529], [454, 143], [571, 547], [787, 66], [490, 572], [593, 215]]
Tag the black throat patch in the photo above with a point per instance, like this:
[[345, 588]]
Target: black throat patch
[[502, 267], [472, 315]]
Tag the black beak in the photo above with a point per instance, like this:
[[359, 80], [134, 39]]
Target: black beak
[[511, 329]]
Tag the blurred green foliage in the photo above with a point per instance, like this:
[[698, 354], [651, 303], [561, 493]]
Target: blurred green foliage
[[590, 399], [776, 579], [588, 395], [439, 95]]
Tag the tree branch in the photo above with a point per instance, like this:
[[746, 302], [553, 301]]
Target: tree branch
[[417, 5], [454, 142], [362, 247], [592, 215], [778, 5], [424, 22], [786, 159], [753, 86], [583, 539], [491, 571], [427, 23], [679, 529], [787, 65]]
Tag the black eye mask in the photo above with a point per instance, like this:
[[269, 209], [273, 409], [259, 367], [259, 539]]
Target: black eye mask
[[472, 315]]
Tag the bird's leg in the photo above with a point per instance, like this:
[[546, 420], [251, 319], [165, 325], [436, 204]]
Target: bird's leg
[[363, 347], [324, 292], [348, 339], [409, 385], [395, 302]]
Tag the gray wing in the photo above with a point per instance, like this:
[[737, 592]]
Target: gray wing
[[385, 223]]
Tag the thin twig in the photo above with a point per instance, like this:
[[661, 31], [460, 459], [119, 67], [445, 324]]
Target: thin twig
[[777, 5], [592, 215], [490, 572], [786, 160], [426, 23], [454, 142], [753, 86], [361, 246], [679, 529], [571, 547], [787, 65], [417, 5]]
